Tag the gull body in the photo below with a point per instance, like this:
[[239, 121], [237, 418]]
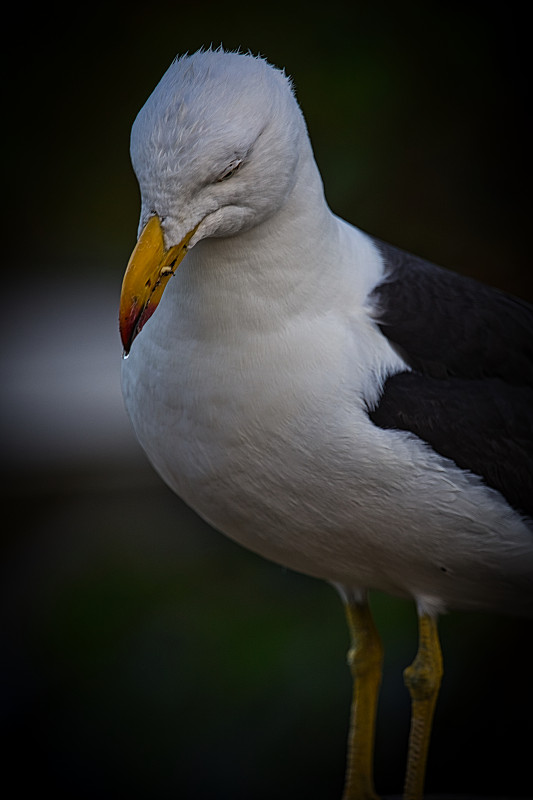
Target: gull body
[[259, 386], [250, 388]]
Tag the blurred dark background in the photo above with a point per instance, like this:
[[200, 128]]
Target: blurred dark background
[[144, 654]]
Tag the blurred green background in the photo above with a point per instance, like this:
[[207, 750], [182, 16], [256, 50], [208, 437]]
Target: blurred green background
[[144, 654]]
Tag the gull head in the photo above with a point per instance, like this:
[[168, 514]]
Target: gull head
[[215, 151]]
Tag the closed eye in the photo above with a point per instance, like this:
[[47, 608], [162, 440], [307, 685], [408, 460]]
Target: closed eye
[[230, 170]]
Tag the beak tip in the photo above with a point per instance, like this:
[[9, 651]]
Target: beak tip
[[133, 320], [128, 331]]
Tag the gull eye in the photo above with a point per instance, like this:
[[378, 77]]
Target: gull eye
[[230, 170]]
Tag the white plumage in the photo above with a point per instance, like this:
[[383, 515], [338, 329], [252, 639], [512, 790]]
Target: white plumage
[[250, 387]]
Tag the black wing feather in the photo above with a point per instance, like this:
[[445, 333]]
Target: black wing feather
[[446, 324], [470, 392]]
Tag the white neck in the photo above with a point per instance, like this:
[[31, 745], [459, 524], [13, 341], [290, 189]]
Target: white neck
[[276, 270]]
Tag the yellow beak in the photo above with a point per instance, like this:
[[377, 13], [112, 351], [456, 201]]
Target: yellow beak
[[147, 274]]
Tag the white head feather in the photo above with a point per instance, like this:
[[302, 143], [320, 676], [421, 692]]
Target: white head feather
[[218, 140]]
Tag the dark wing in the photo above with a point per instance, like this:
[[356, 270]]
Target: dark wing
[[446, 324], [470, 394]]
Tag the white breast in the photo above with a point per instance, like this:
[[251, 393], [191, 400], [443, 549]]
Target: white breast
[[255, 414]]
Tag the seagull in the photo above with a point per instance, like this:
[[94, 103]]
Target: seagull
[[335, 404]]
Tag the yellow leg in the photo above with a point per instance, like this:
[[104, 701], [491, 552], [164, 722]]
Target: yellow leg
[[422, 679], [365, 659]]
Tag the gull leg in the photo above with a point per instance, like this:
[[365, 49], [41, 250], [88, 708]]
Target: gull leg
[[365, 658], [422, 679]]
